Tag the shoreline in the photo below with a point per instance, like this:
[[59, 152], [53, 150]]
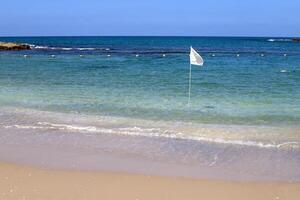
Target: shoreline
[[142, 155], [61, 141], [270, 135], [22, 182]]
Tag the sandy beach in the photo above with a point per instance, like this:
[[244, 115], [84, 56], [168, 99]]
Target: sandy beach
[[21, 182]]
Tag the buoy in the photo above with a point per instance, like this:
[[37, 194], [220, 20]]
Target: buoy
[[285, 55], [80, 56], [25, 56], [52, 56], [164, 55], [108, 55], [137, 55], [107, 49], [262, 55], [237, 55], [213, 55]]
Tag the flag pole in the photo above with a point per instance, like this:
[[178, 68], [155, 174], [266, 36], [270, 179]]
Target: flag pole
[[195, 59], [190, 84]]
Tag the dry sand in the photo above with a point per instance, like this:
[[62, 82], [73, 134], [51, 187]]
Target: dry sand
[[19, 182]]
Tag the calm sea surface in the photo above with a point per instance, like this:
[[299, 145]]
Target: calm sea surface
[[261, 86]]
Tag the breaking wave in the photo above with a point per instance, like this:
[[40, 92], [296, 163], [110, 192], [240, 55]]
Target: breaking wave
[[280, 40], [156, 132], [65, 48]]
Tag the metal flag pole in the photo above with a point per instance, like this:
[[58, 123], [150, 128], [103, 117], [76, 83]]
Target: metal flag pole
[[190, 84], [195, 59]]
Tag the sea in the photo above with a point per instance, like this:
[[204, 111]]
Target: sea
[[121, 103]]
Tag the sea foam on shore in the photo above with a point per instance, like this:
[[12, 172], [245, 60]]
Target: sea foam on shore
[[82, 142]]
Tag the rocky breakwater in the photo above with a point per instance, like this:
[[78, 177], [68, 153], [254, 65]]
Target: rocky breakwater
[[10, 46], [296, 39]]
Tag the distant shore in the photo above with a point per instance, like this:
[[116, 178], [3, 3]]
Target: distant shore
[[19, 182]]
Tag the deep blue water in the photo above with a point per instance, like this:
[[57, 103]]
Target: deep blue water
[[261, 86]]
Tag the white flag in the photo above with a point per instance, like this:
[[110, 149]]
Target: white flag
[[195, 58]]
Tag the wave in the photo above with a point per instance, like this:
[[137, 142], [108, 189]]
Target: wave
[[128, 51], [156, 132], [284, 71], [66, 49], [86, 49], [39, 47], [280, 40], [36, 47], [160, 51]]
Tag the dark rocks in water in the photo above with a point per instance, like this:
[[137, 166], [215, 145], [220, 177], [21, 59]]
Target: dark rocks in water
[[9, 46], [296, 39]]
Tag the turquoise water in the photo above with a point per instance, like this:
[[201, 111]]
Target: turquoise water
[[250, 89]]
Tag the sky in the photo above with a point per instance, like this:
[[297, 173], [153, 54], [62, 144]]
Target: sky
[[150, 18]]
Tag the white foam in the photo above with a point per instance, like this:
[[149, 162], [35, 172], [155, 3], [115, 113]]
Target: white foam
[[63, 48], [52, 48], [283, 71], [40, 47], [154, 132], [86, 49], [279, 40], [24, 127], [31, 46], [66, 49]]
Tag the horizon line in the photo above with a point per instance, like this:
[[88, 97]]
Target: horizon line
[[215, 36]]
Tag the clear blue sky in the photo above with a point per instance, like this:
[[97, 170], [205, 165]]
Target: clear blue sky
[[151, 17]]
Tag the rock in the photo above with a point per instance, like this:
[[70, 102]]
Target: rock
[[9, 46], [296, 39]]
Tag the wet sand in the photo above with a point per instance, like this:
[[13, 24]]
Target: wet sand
[[22, 182]]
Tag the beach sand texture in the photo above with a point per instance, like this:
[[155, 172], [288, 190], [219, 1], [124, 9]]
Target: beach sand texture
[[19, 182]]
